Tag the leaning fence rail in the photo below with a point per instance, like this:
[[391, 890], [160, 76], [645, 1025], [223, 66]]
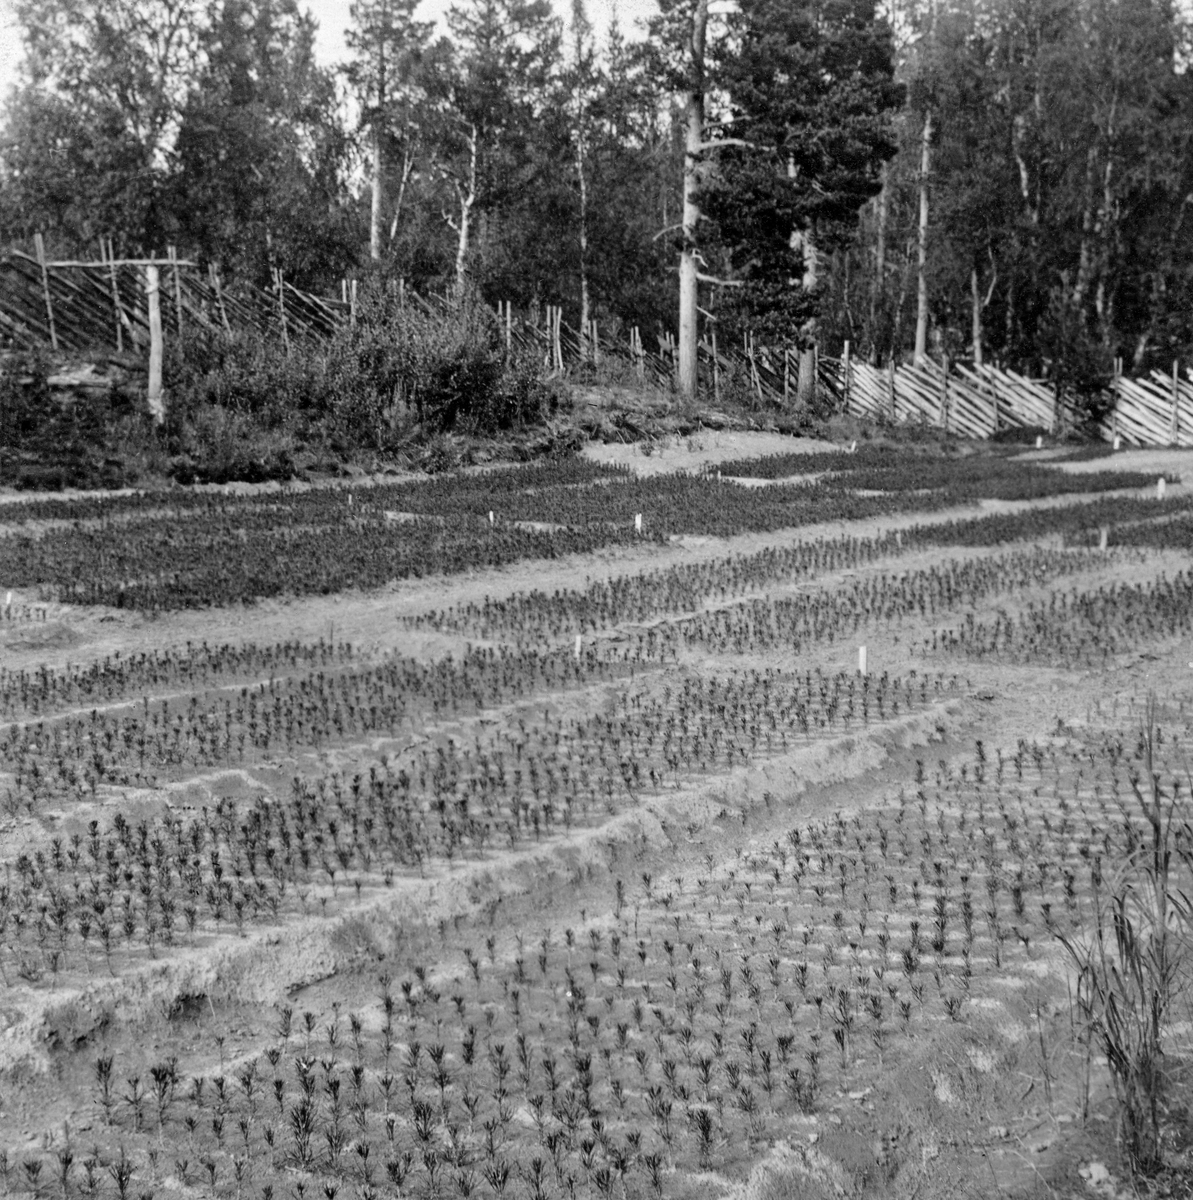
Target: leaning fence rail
[[79, 306]]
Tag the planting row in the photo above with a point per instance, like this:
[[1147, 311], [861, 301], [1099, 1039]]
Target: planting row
[[244, 548], [629, 599], [1077, 628], [135, 890], [673, 1036], [69, 758]]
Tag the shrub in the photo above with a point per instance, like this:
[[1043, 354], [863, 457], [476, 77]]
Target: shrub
[[401, 365]]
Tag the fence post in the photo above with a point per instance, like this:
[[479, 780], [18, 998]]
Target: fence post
[[944, 393], [40, 246], [157, 408], [847, 368], [173, 251], [281, 284], [1174, 431], [214, 272], [109, 256]]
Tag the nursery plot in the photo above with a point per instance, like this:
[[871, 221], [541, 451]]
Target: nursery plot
[[702, 1017], [689, 906]]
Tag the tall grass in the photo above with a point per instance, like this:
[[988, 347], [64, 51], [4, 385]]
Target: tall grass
[[1134, 962]]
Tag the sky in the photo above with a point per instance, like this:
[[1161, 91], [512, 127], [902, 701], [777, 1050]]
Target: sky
[[332, 16]]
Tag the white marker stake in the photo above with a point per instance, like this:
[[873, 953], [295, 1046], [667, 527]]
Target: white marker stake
[[1161, 487], [579, 642], [1039, 442], [491, 521], [861, 660], [637, 522], [1105, 537]]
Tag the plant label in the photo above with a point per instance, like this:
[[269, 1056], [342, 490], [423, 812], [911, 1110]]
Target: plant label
[[1104, 538], [853, 447], [579, 643], [1118, 441], [861, 660], [8, 600], [491, 521], [1039, 442], [1161, 487], [637, 522]]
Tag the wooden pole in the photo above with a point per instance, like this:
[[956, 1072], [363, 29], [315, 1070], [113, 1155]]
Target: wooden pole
[[110, 256], [40, 246], [847, 370], [509, 329], [281, 285], [177, 287], [219, 297], [716, 370], [596, 345], [786, 375], [157, 408], [1175, 430], [891, 386], [944, 393]]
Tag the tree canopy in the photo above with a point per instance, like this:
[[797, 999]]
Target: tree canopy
[[1026, 164]]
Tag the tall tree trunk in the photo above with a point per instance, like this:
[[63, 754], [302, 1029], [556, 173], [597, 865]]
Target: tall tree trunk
[[581, 30], [582, 232], [377, 210], [921, 314], [467, 199], [806, 388], [975, 293], [688, 281], [879, 289], [376, 217]]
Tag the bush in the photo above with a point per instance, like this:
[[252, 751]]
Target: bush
[[57, 438], [402, 365]]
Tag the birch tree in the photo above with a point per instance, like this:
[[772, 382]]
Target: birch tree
[[388, 46]]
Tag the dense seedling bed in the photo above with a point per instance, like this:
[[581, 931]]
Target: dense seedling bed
[[68, 759], [682, 1033], [117, 677], [225, 550], [161, 564], [130, 889], [899, 469], [422, 493], [1077, 628]]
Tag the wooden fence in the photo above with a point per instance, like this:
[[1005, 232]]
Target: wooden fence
[[78, 306]]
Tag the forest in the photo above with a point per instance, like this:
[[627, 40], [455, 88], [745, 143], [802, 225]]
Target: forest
[[1005, 181]]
